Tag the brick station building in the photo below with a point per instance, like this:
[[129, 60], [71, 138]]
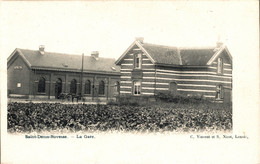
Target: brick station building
[[40, 74]]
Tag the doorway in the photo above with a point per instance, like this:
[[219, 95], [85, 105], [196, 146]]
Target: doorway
[[173, 88]]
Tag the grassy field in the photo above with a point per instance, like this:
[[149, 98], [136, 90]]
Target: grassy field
[[173, 117]]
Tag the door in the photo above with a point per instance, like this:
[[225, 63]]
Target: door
[[58, 88], [173, 88]]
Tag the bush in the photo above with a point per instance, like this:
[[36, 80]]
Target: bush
[[183, 99], [30, 117]]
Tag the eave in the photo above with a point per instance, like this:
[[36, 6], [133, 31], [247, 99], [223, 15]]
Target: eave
[[181, 66], [74, 70]]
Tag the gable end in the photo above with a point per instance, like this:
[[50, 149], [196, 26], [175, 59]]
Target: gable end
[[118, 62], [13, 57], [218, 53]]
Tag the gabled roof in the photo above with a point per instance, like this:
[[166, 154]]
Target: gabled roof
[[163, 54], [61, 61], [174, 56], [198, 57]]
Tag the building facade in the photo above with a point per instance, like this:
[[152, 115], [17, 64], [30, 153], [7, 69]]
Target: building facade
[[148, 69], [144, 69], [45, 75]]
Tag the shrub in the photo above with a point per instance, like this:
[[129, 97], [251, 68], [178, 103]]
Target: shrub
[[183, 99], [30, 117]]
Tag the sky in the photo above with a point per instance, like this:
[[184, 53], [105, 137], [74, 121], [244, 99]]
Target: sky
[[110, 27]]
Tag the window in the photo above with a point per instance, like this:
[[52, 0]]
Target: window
[[41, 85], [173, 88], [138, 58], [117, 87], [19, 85], [220, 65], [87, 87], [219, 92], [73, 86], [137, 87], [58, 88], [101, 88]]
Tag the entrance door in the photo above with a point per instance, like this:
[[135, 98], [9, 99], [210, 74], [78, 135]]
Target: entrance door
[[58, 88]]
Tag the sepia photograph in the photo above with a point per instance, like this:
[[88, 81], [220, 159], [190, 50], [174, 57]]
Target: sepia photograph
[[149, 87], [88, 75]]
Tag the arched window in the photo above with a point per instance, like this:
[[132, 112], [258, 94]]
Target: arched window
[[88, 87], [73, 86], [219, 92], [117, 87], [41, 85], [101, 88], [173, 88], [58, 88]]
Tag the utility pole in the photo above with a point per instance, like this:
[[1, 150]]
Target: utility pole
[[81, 80]]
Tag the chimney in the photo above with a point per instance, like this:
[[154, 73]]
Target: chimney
[[140, 39], [95, 54], [219, 44], [41, 49]]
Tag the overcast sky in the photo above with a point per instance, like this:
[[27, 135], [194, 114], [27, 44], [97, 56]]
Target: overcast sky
[[110, 27]]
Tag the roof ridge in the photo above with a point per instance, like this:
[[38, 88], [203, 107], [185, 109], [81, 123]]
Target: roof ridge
[[196, 48], [61, 53], [48, 51], [182, 47]]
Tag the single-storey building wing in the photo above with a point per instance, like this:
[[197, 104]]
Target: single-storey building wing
[[148, 69], [41, 74]]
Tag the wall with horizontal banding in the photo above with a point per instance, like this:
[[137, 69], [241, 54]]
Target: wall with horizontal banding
[[155, 79]]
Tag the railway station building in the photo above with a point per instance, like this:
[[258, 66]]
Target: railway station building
[[144, 69], [148, 69], [45, 75]]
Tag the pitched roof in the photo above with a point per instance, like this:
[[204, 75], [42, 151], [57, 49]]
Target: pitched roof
[[198, 57], [162, 54], [61, 61], [167, 55]]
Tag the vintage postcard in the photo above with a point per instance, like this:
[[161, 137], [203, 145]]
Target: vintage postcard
[[129, 82]]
